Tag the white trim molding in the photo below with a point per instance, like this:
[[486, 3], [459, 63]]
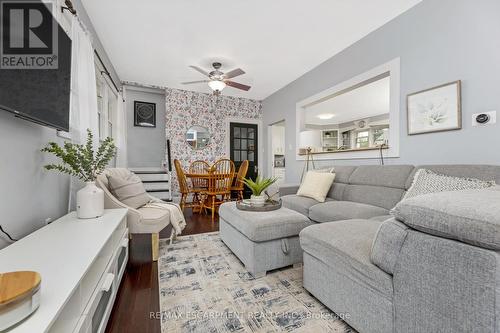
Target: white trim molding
[[143, 88], [260, 138], [269, 146], [393, 67]]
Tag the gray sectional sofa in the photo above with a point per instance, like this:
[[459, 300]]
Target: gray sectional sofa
[[434, 267]]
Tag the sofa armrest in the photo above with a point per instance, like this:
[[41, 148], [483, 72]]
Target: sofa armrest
[[445, 261], [471, 216], [387, 244], [133, 215], [287, 189], [444, 285], [110, 202]]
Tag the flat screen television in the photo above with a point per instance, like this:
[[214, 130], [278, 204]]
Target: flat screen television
[[35, 64]]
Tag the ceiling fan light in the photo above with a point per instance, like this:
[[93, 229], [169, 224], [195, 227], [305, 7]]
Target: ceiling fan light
[[217, 85]]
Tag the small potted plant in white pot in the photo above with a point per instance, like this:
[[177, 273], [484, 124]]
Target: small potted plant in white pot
[[258, 187], [83, 162]]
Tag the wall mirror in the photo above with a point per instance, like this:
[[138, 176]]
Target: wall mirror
[[354, 117], [197, 137]]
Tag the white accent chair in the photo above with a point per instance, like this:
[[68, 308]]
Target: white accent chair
[[143, 220]]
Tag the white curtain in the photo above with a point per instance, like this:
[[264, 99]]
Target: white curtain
[[83, 111], [121, 132]]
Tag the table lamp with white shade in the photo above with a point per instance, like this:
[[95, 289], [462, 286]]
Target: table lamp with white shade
[[309, 140]]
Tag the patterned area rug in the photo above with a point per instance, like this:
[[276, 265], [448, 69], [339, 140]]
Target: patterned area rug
[[205, 288]]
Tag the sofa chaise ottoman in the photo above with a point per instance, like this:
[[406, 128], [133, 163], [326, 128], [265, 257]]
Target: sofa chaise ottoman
[[263, 241]]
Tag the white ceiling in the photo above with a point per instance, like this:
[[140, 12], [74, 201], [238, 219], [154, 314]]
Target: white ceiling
[[367, 101], [275, 42]]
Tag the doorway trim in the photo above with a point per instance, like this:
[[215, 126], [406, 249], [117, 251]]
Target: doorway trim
[[260, 145], [270, 154]]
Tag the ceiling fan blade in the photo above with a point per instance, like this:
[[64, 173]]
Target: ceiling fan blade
[[198, 69], [237, 85], [193, 82], [234, 73]]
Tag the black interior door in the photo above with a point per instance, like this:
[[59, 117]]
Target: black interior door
[[243, 146]]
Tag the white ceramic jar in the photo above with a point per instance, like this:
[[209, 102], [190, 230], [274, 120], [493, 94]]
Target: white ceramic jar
[[89, 201], [258, 200]]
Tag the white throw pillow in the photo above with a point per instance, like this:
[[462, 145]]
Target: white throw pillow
[[426, 181], [130, 191], [330, 170], [316, 185]]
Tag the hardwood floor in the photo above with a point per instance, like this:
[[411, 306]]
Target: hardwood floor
[[137, 301]]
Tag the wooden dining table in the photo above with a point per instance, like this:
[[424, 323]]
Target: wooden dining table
[[205, 176], [198, 175], [201, 176]]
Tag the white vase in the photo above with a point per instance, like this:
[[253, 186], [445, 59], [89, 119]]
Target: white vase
[[89, 202], [258, 200]]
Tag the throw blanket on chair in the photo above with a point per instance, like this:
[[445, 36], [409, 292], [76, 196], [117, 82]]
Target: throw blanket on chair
[[176, 216]]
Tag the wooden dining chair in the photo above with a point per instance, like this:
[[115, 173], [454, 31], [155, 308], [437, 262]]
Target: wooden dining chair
[[238, 185], [185, 189], [199, 167], [219, 185]]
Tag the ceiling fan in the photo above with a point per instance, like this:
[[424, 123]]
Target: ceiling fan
[[219, 80]]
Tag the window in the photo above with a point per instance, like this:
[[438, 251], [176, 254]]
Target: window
[[380, 136], [111, 112], [106, 104], [363, 139], [100, 101], [107, 99]]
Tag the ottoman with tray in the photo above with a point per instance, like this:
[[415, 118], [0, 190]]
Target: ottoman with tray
[[263, 241]]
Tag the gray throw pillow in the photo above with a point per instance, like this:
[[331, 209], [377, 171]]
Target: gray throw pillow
[[130, 190], [426, 181]]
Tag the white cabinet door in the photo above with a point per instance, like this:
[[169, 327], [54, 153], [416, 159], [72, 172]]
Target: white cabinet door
[[278, 140], [280, 174]]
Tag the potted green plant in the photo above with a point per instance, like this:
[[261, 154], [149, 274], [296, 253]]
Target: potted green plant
[[258, 187], [83, 162]]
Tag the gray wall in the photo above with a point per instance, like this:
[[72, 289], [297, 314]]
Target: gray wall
[[438, 41], [146, 146], [29, 194]]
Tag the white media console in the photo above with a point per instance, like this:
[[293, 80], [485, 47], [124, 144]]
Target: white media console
[[81, 263]]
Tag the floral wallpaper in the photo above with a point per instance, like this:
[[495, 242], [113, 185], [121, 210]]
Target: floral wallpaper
[[187, 108]]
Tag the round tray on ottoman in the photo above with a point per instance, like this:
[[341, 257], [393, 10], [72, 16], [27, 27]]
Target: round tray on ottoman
[[268, 206]]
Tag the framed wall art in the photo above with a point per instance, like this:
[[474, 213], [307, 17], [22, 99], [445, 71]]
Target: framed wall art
[[144, 114], [436, 109]]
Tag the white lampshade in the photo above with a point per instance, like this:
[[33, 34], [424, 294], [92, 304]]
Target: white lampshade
[[310, 139], [217, 85]]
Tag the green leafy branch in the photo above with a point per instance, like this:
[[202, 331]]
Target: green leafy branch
[[259, 185], [80, 160]]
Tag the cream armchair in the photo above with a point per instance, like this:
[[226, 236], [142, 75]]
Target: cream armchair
[[143, 220]]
